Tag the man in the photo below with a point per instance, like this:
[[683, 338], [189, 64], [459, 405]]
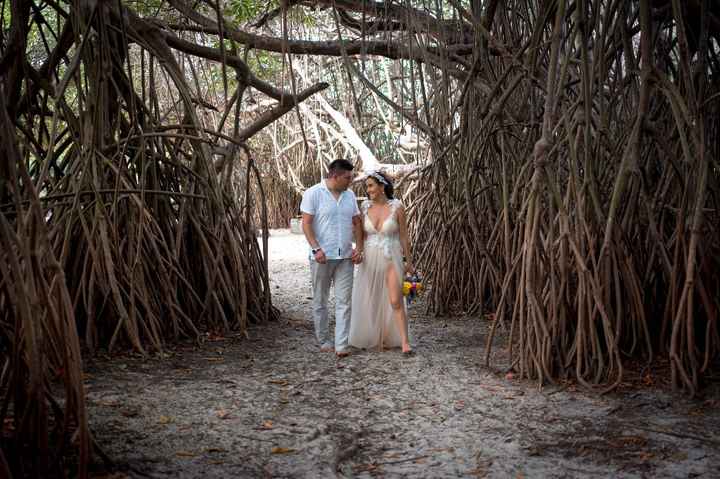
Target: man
[[330, 218]]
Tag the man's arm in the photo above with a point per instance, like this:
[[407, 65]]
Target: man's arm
[[307, 221]]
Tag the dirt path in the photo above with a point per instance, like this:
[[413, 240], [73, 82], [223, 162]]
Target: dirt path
[[274, 406]]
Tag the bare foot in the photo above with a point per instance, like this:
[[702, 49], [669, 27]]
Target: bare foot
[[342, 354], [326, 349]]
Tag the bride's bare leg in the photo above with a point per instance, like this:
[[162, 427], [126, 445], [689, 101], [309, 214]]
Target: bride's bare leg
[[396, 301]]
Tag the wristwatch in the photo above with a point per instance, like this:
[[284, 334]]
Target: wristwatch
[[315, 250]]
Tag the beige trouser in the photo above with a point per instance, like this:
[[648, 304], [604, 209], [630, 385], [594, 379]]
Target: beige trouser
[[340, 273]]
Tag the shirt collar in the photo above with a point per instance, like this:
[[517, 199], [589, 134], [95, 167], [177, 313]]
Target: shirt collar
[[324, 184]]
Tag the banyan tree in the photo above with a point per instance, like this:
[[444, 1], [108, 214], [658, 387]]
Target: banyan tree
[[562, 178]]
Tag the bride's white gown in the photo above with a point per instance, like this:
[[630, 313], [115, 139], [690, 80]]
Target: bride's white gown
[[372, 324]]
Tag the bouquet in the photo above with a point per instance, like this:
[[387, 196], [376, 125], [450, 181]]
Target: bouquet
[[412, 286]]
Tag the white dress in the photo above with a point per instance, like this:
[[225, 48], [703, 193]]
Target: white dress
[[372, 324]]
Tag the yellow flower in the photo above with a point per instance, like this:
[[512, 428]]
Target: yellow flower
[[406, 288]]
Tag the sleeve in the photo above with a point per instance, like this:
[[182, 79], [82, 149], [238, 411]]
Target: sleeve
[[365, 206], [396, 204], [356, 210], [309, 202]]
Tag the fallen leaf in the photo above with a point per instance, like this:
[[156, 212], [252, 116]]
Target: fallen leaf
[[185, 454], [645, 456], [165, 420], [679, 456], [442, 449], [129, 412], [627, 441], [223, 414], [281, 450], [281, 382], [533, 451], [267, 425], [479, 472]]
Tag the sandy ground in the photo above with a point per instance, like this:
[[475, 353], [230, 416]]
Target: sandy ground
[[272, 405]]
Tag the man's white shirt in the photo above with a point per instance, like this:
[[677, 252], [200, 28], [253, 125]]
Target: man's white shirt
[[332, 219]]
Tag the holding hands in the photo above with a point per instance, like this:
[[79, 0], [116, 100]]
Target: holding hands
[[357, 256]]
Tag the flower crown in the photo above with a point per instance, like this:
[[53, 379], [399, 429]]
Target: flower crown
[[379, 178]]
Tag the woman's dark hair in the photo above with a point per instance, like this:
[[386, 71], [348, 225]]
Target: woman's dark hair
[[387, 185], [338, 166]]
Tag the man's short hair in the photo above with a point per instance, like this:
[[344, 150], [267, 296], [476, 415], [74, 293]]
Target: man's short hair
[[338, 166]]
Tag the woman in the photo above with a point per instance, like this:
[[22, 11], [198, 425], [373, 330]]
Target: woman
[[379, 319]]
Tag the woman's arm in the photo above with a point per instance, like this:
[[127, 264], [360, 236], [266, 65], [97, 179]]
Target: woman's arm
[[404, 239], [359, 234]]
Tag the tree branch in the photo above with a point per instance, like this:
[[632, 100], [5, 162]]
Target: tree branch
[[461, 45], [287, 104]]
